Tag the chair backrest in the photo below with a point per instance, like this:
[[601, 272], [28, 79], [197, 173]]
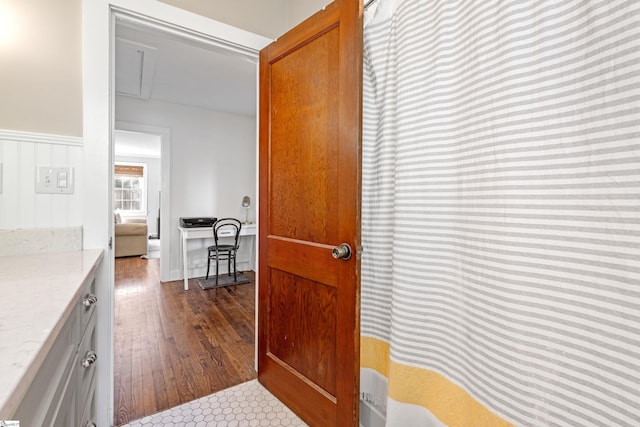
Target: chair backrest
[[227, 227]]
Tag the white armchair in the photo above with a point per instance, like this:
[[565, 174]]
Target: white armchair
[[131, 237]]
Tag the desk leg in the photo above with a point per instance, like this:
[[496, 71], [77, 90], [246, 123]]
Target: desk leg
[[184, 263]]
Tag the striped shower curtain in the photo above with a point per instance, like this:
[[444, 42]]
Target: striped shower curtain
[[501, 213]]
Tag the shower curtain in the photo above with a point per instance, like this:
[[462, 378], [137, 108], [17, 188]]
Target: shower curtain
[[501, 213]]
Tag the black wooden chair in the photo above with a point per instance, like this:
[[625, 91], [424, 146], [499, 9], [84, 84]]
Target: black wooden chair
[[229, 230]]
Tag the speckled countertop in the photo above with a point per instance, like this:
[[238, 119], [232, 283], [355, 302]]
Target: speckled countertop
[[37, 295]]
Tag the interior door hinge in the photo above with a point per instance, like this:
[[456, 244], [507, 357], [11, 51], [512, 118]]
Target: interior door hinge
[[110, 242]]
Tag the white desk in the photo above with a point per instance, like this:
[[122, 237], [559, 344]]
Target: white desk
[[207, 233]]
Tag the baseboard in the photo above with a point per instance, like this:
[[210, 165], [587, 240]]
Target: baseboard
[[201, 271]]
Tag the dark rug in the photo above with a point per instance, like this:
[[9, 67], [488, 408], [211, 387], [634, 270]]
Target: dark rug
[[223, 280]]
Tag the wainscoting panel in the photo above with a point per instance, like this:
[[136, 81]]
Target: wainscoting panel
[[20, 206]]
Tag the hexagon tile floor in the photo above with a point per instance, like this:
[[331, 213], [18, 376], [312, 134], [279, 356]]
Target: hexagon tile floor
[[247, 404]]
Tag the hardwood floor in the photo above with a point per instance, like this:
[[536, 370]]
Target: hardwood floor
[[173, 346]]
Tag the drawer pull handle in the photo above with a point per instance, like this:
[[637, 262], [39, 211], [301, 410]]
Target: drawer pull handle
[[89, 359], [89, 300]]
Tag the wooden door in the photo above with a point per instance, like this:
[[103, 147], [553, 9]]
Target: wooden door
[[308, 308]]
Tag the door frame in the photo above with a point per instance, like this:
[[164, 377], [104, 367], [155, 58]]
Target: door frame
[[165, 187], [98, 35]]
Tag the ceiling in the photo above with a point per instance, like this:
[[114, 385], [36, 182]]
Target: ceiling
[[150, 64]]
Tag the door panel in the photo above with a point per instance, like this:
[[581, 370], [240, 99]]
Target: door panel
[[304, 169], [303, 317], [308, 302]]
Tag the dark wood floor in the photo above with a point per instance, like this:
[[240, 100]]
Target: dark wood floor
[[173, 346]]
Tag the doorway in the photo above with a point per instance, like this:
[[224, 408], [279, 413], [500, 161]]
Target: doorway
[[98, 39], [150, 145], [143, 305]]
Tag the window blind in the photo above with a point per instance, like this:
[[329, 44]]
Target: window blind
[[129, 170]]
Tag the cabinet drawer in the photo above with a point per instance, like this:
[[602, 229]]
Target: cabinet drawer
[[87, 306], [40, 404], [65, 414], [88, 418], [87, 360]]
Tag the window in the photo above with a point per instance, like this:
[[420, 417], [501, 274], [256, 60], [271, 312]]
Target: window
[[130, 189]]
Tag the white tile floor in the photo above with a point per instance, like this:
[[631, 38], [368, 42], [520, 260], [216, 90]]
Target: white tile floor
[[247, 404]]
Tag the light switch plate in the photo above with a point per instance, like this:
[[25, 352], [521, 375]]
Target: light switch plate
[[58, 180]]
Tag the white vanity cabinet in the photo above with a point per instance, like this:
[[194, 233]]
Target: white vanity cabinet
[[54, 377], [61, 393], [53, 386]]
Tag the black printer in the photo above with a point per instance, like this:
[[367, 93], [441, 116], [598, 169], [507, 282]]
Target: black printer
[[200, 222]]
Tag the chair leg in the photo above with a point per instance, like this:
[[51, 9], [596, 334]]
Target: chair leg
[[235, 271], [208, 265], [216, 268], [229, 264]]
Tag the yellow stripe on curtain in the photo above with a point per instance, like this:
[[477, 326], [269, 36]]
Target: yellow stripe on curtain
[[448, 402]]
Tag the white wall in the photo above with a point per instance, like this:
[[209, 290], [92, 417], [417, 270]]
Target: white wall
[[299, 10], [265, 17], [41, 66], [153, 187], [269, 18], [20, 206], [213, 165]]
